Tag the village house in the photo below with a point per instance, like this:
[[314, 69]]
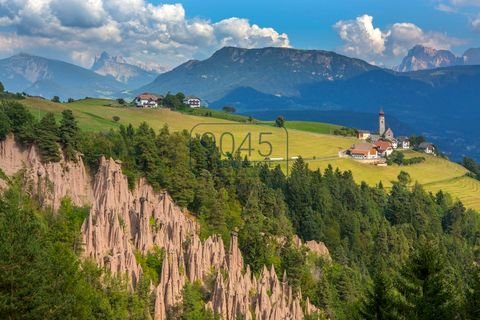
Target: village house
[[427, 147], [148, 100], [394, 143], [384, 148], [363, 151], [192, 102], [403, 142], [363, 134]]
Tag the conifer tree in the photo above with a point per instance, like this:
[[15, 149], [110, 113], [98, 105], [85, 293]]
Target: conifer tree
[[68, 133], [379, 303], [426, 289], [46, 138]]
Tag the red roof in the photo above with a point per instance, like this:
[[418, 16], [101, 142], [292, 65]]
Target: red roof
[[383, 145], [148, 96]]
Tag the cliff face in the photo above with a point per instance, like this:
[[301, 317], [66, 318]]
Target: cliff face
[[123, 221], [48, 182]]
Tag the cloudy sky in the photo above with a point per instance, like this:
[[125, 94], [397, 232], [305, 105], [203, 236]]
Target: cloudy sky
[[157, 33]]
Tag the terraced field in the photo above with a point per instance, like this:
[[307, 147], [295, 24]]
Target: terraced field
[[318, 149], [465, 189]]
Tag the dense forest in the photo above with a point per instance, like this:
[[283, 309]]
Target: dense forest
[[401, 253]]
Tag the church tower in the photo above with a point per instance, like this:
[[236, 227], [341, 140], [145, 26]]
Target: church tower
[[381, 123]]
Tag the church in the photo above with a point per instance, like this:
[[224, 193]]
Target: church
[[383, 131]]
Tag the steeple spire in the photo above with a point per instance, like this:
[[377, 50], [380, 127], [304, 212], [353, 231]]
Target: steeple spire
[[381, 122]]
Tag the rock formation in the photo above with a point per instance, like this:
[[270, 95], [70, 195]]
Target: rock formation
[[48, 182], [123, 222]]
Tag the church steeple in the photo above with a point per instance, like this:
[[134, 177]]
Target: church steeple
[[381, 122]]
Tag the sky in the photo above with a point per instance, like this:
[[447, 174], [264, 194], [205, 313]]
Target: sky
[[158, 34]]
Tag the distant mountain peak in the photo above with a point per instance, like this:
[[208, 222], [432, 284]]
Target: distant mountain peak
[[421, 57], [118, 68], [105, 58]]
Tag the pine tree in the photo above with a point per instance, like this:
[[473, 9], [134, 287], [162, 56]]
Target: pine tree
[[69, 133], [46, 138], [379, 303]]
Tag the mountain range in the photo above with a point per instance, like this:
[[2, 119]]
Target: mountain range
[[304, 84], [108, 76], [314, 85], [276, 71], [46, 77]]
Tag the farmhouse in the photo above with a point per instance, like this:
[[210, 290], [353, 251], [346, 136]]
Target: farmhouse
[[148, 100], [192, 102], [363, 151], [427, 147], [383, 147]]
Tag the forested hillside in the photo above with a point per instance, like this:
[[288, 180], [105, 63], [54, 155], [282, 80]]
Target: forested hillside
[[397, 254]]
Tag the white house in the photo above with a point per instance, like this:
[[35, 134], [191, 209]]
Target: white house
[[427, 147], [148, 100], [394, 143], [192, 102], [403, 142]]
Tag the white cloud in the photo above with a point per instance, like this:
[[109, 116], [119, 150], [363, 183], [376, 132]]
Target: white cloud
[[236, 31], [363, 40], [464, 3], [138, 30], [476, 24]]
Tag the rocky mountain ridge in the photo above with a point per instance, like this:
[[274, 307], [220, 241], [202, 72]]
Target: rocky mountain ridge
[[47, 77], [122, 222], [424, 58], [117, 67]]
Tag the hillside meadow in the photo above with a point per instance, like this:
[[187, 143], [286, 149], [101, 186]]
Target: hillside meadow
[[259, 141]]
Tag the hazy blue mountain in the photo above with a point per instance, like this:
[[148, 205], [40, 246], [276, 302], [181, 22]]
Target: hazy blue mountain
[[118, 68], [275, 71], [421, 58], [46, 77], [439, 103]]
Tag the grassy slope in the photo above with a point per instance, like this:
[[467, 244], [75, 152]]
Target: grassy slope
[[316, 127], [305, 138]]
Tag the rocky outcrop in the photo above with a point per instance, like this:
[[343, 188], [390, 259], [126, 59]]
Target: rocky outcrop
[[49, 182], [124, 222]]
